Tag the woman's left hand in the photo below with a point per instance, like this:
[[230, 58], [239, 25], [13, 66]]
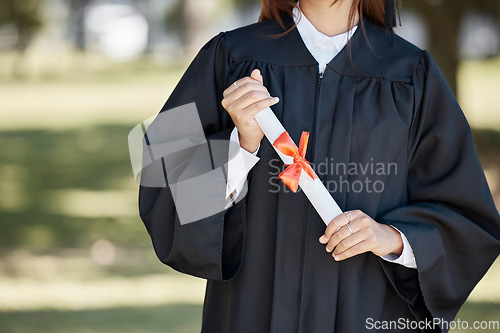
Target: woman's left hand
[[354, 232]]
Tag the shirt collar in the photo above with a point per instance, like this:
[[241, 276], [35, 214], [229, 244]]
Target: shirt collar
[[313, 36]]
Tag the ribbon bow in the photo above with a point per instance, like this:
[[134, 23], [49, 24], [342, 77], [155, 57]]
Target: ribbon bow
[[290, 176]]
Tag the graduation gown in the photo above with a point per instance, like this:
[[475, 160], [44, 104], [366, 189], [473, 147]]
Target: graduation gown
[[380, 100]]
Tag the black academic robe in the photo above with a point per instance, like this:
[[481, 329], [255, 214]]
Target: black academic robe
[[382, 101]]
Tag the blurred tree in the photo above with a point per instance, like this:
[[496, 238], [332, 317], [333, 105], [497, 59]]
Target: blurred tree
[[191, 19], [245, 3], [443, 19], [77, 10], [174, 20], [144, 7], [24, 15]]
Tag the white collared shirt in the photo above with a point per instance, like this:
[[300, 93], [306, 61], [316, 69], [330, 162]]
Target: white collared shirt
[[323, 48]]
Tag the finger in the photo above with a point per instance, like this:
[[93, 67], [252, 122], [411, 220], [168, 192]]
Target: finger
[[339, 236], [239, 83], [336, 223], [249, 99], [249, 88], [359, 248], [245, 89], [256, 75], [252, 110], [350, 241]]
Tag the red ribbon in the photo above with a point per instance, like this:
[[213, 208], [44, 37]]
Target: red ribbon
[[290, 176]]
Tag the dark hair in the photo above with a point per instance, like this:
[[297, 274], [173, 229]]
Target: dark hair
[[381, 11]]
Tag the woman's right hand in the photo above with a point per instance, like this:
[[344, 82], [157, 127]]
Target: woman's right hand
[[243, 101]]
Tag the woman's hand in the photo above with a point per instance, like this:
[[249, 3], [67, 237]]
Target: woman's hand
[[243, 101], [354, 232]]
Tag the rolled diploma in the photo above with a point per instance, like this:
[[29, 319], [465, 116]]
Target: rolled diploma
[[315, 191]]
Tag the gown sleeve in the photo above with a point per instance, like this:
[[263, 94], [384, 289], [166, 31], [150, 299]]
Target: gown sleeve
[[450, 218], [210, 248]]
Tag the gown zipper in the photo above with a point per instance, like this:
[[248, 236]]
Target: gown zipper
[[313, 141]]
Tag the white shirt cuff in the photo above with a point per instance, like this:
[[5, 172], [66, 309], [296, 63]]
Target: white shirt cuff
[[407, 258], [238, 168]]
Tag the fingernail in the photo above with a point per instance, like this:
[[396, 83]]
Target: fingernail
[[328, 250], [323, 239], [258, 70], [335, 257], [276, 99]]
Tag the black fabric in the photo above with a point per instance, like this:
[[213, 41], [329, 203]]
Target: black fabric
[[391, 12], [381, 100]]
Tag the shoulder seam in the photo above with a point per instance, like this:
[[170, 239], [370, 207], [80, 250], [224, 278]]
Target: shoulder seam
[[422, 55]]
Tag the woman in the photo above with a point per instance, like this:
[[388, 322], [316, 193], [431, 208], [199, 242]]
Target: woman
[[406, 252]]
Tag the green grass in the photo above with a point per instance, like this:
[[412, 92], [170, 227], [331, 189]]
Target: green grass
[[478, 311], [174, 318], [478, 92], [43, 175]]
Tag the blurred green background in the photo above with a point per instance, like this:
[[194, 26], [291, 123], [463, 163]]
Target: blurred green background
[[77, 76]]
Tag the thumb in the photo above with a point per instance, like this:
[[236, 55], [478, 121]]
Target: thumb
[[257, 76]]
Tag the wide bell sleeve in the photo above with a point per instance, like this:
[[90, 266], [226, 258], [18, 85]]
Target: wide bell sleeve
[[213, 246], [450, 218]]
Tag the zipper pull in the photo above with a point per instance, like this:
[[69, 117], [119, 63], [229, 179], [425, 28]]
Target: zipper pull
[[320, 79]]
